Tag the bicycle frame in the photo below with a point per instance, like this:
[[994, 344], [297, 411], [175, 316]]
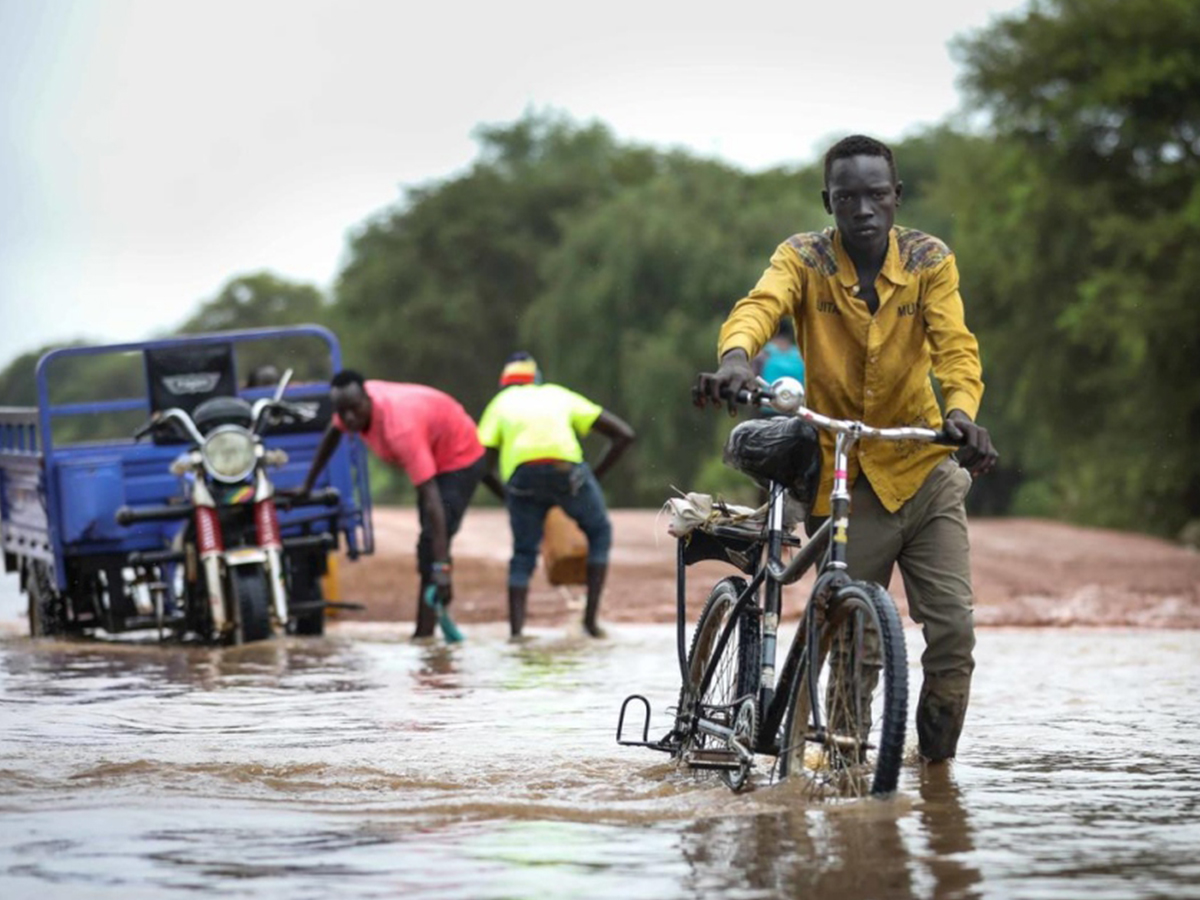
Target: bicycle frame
[[775, 696]]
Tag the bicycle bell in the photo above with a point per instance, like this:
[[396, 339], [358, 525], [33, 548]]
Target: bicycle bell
[[788, 394]]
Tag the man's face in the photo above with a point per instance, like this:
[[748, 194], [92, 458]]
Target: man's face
[[353, 407], [862, 198]]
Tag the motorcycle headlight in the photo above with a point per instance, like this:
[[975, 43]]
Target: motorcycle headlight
[[229, 453]]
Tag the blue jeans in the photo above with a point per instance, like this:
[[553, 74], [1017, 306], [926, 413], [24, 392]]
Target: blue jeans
[[529, 494]]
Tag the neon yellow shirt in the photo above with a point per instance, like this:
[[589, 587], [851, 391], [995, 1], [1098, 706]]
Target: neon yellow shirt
[[874, 368], [536, 421]]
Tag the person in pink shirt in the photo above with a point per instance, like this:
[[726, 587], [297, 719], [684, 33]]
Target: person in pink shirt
[[432, 438]]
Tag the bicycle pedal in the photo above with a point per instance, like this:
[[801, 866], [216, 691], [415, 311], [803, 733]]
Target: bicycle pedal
[[714, 759]]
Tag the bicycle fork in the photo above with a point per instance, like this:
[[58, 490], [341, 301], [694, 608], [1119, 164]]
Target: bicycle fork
[[772, 601]]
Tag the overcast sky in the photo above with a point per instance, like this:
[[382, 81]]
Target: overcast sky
[[152, 149]]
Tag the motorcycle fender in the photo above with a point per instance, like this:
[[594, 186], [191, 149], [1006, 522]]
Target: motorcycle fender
[[245, 556]]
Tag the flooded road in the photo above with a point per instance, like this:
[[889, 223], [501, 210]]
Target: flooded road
[[361, 765]]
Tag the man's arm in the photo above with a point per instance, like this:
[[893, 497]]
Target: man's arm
[[752, 322], [435, 519], [434, 523], [955, 354], [329, 443], [619, 435], [491, 467]]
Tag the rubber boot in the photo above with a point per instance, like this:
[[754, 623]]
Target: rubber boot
[[941, 712], [426, 616], [595, 586], [516, 609]]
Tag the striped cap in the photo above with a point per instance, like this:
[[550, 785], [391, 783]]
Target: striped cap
[[521, 368]]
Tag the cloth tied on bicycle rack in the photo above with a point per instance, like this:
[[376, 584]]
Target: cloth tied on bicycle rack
[[784, 449], [704, 512], [710, 528]]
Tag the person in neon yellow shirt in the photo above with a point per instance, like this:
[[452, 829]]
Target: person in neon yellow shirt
[[530, 433]]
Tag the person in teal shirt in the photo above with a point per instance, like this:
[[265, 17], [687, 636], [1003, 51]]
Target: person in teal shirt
[[779, 358], [530, 433]]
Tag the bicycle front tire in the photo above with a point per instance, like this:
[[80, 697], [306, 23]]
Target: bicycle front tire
[[738, 671], [861, 669]]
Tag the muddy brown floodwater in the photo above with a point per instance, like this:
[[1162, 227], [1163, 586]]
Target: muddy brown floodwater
[[362, 765]]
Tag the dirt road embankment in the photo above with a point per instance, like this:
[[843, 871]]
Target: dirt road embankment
[[1026, 572]]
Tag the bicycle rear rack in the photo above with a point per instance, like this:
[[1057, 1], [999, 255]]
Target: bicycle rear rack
[[665, 745]]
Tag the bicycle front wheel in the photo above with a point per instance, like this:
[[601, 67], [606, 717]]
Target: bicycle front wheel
[[737, 669], [852, 744]]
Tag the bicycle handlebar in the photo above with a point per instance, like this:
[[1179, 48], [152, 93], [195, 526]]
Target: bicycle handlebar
[[763, 397]]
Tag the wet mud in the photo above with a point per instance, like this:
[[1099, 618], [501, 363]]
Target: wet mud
[[1026, 572]]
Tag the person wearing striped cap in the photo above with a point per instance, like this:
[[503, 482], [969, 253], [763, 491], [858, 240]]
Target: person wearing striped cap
[[530, 432]]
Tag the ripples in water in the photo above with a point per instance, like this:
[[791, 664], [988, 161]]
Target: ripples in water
[[364, 765]]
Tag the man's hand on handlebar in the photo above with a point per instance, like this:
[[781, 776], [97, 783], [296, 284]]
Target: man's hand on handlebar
[[977, 455], [734, 375]]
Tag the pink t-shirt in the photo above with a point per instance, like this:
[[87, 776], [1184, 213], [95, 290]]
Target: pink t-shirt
[[419, 429]]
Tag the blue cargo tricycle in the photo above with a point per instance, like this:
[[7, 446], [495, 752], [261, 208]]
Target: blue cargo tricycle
[[141, 492]]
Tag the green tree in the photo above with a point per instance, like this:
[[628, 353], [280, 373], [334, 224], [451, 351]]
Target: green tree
[[264, 300], [435, 288], [1081, 246], [17, 385], [258, 300], [635, 294]]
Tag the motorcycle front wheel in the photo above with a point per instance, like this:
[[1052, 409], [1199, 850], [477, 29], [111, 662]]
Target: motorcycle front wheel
[[249, 590]]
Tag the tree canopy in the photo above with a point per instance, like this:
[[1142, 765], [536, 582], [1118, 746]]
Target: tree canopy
[[1078, 214]]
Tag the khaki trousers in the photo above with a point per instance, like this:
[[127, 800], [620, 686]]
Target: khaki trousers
[[927, 538]]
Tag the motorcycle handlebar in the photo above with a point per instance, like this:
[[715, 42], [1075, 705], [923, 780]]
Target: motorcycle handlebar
[[165, 417], [263, 409]]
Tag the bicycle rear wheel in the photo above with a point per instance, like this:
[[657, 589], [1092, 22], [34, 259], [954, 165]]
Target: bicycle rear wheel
[[737, 671], [861, 671]]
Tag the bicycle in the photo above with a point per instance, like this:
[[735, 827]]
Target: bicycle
[[837, 713]]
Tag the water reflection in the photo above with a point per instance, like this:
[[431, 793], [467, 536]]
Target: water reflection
[[906, 847], [949, 834], [372, 765], [65, 667], [437, 670], [854, 850]]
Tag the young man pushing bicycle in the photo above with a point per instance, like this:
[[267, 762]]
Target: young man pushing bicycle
[[876, 309]]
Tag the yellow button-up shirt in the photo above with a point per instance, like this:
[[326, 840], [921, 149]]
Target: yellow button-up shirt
[[874, 368]]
